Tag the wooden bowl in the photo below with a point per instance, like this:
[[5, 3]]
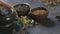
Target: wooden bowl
[[22, 9], [39, 13]]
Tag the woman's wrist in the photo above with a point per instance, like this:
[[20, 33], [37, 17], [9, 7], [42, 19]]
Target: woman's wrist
[[5, 4]]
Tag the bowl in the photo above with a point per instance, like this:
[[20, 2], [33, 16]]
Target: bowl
[[22, 9], [39, 13]]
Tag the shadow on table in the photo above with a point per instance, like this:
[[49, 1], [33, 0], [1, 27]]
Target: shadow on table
[[47, 23]]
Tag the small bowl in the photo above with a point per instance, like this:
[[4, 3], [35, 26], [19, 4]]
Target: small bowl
[[39, 13], [22, 9]]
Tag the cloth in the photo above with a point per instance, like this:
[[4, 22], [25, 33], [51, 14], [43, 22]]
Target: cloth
[[9, 30], [17, 26]]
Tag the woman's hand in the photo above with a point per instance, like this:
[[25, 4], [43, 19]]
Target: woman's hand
[[7, 5]]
